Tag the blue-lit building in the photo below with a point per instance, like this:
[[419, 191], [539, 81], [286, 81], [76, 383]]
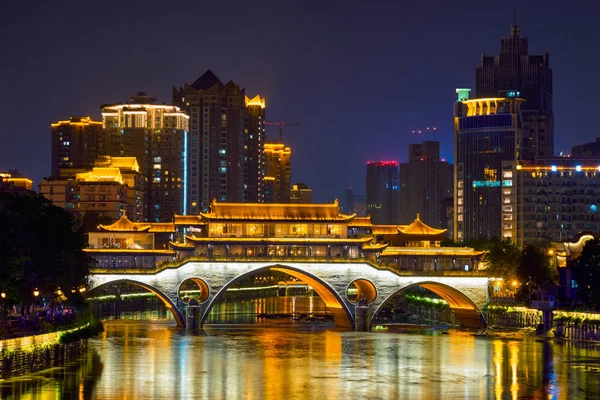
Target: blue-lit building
[[382, 197], [488, 144]]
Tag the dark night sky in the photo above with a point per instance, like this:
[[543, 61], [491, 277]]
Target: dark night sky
[[358, 76]]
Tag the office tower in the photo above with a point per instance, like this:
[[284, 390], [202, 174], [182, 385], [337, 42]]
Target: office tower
[[157, 136], [278, 175], [347, 201], [382, 192], [425, 181], [591, 149], [227, 135], [487, 137], [255, 156], [133, 178], [301, 194], [74, 143], [558, 198], [515, 73]]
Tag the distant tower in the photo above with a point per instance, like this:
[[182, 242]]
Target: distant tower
[[382, 192], [75, 143], [515, 73], [278, 175]]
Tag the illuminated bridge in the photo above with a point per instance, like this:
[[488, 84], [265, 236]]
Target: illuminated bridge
[[324, 249]]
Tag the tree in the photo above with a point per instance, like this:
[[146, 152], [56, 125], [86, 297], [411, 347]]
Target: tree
[[40, 247], [586, 272], [534, 270], [503, 256]]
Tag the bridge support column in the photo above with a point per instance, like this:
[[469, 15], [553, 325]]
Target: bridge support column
[[362, 319], [193, 319]]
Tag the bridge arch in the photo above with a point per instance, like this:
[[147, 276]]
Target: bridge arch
[[202, 285], [164, 298], [334, 303], [466, 311]]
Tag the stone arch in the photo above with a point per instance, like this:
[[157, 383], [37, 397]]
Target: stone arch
[[164, 298], [466, 311], [204, 288], [334, 303], [364, 287]]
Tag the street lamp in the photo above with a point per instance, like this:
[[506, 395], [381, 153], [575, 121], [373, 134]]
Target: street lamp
[[36, 292]]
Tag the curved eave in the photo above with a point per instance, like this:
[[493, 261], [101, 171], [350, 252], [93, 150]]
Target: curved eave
[[374, 247], [236, 240], [179, 245]]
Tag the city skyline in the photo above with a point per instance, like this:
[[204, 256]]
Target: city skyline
[[292, 64]]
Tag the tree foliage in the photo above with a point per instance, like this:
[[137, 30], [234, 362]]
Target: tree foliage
[[586, 272], [503, 256], [535, 271], [40, 247]]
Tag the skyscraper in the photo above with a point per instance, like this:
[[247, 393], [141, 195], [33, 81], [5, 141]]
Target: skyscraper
[[382, 192], [227, 135], [487, 146], [75, 143], [157, 136], [278, 175], [515, 73], [425, 181]]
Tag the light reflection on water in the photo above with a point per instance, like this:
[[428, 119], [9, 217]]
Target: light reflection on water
[[138, 360]]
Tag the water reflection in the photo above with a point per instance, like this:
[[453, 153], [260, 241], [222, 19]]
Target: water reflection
[[157, 360]]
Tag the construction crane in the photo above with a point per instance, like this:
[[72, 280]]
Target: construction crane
[[281, 125]]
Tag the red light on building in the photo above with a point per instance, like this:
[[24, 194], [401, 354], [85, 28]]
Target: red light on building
[[383, 163]]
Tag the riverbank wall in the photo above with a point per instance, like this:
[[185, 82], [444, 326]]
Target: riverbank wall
[[29, 354]]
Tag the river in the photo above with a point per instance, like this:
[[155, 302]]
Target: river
[[155, 359]]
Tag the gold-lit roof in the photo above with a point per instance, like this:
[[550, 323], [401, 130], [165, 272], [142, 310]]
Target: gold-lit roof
[[418, 227], [125, 225], [256, 101], [276, 212], [162, 227], [77, 121], [188, 220], [360, 222], [374, 246], [101, 174], [277, 148], [385, 229], [119, 162]]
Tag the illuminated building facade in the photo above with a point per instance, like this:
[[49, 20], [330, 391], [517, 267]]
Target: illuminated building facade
[[300, 194], [425, 181], [487, 146], [515, 73], [558, 199], [75, 143], [292, 232], [157, 136], [13, 181], [135, 181], [226, 141], [382, 197], [278, 174]]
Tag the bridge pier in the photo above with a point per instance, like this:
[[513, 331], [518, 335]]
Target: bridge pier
[[193, 318], [362, 318]]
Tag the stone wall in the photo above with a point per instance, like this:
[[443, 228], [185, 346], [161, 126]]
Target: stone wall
[[29, 354]]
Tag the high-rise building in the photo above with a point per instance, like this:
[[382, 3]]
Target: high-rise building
[[227, 136], [278, 175], [75, 143], [591, 149], [133, 178], [425, 181], [516, 73], [558, 198], [487, 140], [301, 194], [382, 192], [157, 136]]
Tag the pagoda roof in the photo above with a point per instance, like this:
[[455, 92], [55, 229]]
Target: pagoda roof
[[188, 220], [126, 225], [162, 227], [360, 222], [276, 212], [374, 246], [386, 229], [418, 227]]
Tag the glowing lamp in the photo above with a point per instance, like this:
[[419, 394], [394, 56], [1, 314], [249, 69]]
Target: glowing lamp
[[578, 168], [3, 295], [553, 168], [514, 283], [36, 292]]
